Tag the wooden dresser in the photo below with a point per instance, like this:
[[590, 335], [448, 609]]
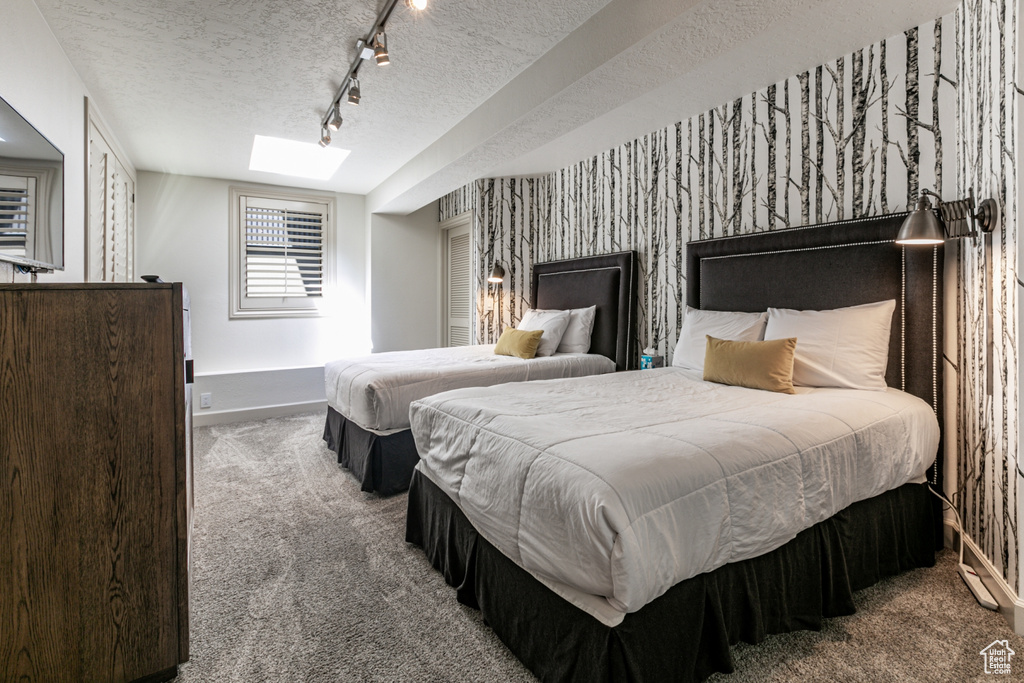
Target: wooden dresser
[[96, 490]]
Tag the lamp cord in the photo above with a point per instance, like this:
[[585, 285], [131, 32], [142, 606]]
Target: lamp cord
[[959, 524]]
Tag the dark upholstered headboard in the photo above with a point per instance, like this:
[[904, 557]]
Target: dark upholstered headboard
[[830, 266], [610, 283]]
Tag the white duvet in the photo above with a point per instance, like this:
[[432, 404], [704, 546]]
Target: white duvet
[[375, 391], [612, 489]]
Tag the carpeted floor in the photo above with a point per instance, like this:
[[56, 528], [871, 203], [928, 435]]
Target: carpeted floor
[[298, 576]]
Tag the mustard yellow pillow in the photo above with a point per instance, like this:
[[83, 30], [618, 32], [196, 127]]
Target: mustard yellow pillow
[[518, 343], [764, 365]]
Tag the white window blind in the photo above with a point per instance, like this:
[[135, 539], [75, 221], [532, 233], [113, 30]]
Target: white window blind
[[17, 213], [281, 255], [283, 248]]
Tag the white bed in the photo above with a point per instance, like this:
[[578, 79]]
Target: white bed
[[375, 391], [612, 489], [368, 398]]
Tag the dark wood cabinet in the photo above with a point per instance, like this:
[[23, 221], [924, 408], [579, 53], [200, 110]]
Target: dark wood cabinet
[[96, 496]]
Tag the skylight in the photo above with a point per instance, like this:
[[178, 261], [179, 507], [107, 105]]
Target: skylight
[[299, 159]]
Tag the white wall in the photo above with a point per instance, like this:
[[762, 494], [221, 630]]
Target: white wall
[[182, 235], [405, 275], [37, 79]]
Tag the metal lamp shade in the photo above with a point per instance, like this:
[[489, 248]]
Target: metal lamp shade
[[497, 274], [380, 49], [336, 120], [922, 226]]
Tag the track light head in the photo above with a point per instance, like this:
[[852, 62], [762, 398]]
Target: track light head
[[336, 120], [380, 49], [325, 137], [416, 4], [353, 91]]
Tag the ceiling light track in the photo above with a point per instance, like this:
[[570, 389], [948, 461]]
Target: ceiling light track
[[375, 45]]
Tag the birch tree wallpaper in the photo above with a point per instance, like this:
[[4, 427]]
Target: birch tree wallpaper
[[987, 122], [934, 107]]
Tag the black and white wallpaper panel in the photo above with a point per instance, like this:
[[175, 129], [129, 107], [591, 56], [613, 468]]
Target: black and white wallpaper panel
[[934, 107]]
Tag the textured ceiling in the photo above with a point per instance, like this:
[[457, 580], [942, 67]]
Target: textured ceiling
[[475, 88], [187, 83]]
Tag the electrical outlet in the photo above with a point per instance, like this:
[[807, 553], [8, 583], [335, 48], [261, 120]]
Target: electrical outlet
[[205, 400]]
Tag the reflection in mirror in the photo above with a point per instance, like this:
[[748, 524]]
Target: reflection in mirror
[[31, 195]]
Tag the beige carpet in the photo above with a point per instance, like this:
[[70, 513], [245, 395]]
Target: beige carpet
[[299, 576]]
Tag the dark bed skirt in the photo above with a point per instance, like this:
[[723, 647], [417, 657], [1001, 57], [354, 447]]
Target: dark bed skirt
[[685, 634], [382, 464]]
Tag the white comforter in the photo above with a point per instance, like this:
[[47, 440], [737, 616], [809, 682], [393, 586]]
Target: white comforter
[[622, 485], [375, 391]]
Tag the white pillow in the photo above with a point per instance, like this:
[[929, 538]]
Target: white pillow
[[844, 347], [576, 338], [553, 323], [729, 325]]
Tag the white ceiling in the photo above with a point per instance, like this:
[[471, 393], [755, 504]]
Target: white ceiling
[[475, 88]]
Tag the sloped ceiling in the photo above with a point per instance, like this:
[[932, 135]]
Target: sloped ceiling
[[475, 88]]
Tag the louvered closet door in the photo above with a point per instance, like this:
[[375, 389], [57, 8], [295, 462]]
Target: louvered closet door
[[120, 249], [111, 233], [459, 279], [99, 157]]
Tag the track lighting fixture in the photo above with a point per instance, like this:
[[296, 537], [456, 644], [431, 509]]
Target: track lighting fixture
[[380, 49], [374, 44], [336, 120]]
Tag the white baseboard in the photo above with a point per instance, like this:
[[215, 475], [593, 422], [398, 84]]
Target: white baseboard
[[257, 394], [1011, 607], [206, 418]]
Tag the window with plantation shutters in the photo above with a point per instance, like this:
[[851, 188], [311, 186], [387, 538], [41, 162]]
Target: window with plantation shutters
[[283, 249], [279, 254], [17, 214]]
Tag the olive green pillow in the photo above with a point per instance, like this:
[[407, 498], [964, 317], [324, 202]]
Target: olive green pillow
[[764, 365], [518, 343]]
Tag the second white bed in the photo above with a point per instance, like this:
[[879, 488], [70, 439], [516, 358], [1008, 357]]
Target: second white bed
[[375, 391]]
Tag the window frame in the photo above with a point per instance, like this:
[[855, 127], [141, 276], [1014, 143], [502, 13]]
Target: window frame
[[242, 306]]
